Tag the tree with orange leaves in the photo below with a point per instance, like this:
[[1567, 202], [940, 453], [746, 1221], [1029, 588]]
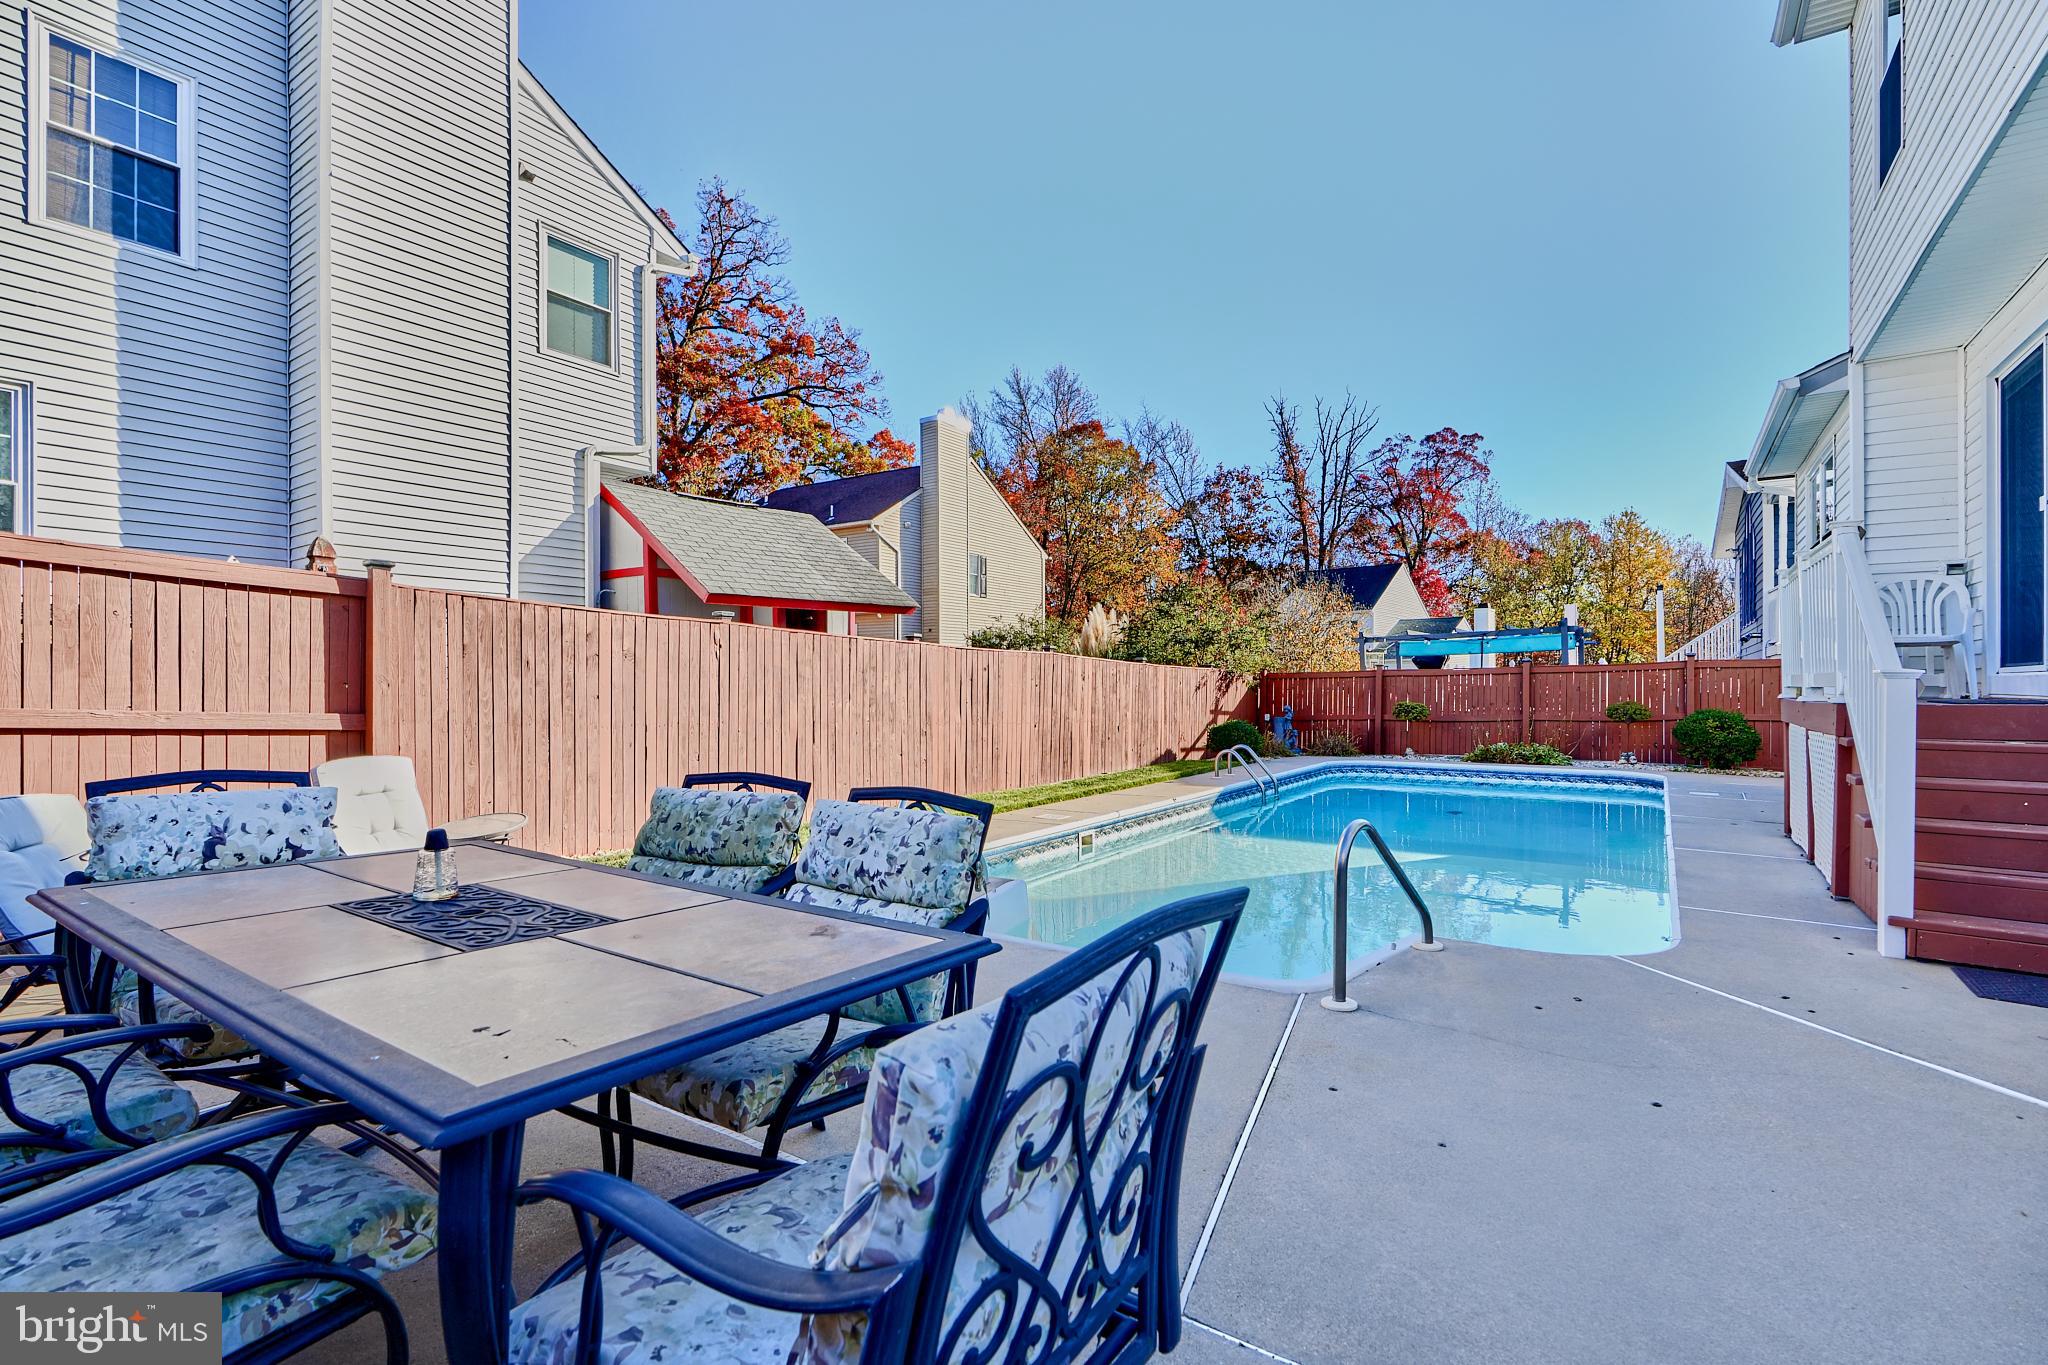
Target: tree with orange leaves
[[1414, 495], [750, 394], [1093, 504]]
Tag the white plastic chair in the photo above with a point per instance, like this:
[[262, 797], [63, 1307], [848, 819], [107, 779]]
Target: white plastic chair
[[42, 840], [1917, 610], [377, 806]]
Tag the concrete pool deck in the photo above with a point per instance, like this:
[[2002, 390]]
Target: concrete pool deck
[[1767, 1143]]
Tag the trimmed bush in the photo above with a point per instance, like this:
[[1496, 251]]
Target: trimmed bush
[[1331, 744], [1026, 632], [1228, 734], [1411, 710], [1270, 747], [1519, 753], [1716, 739], [1627, 711]]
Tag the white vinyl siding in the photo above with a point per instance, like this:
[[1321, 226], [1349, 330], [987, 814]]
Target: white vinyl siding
[[1966, 63], [1015, 565], [161, 400], [565, 405], [419, 218], [911, 543], [1910, 487], [1400, 601]]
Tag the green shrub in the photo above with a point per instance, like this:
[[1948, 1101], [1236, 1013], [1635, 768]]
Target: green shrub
[[1411, 710], [1270, 747], [1026, 632], [1519, 753], [1626, 711], [1330, 744], [1716, 739], [1229, 734]]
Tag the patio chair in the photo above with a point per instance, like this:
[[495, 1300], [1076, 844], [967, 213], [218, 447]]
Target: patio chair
[[722, 841], [141, 837], [1930, 611], [377, 805], [294, 1234], [918, 864], [42, 843], [1011, 1195]]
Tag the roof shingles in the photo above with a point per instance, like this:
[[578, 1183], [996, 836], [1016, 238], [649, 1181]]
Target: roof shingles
[[737, 550]]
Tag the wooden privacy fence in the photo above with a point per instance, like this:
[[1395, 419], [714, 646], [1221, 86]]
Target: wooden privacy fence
[[115, 662], [1560, 704]]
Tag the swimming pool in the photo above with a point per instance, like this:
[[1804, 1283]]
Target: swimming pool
[[1577, 863]]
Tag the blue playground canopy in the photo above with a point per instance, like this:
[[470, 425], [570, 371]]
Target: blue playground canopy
[[1568, 641]]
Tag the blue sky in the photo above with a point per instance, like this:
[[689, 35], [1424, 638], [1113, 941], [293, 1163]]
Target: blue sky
[[1597, 232]]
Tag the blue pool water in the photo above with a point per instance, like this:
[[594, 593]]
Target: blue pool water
[[1558, 865]]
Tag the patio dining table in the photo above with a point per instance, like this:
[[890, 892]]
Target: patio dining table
[[545, 982]]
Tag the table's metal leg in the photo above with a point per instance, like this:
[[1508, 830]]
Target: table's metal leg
[[477, 1180]]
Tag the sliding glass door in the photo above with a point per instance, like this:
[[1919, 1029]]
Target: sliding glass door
[[2022, 569]]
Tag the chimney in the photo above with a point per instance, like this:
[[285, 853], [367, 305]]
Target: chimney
[[1482, 618], [942, 482]]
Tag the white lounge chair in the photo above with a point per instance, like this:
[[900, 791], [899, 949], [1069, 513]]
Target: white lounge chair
[[1930, 611]]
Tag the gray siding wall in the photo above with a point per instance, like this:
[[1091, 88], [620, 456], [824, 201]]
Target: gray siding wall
[[418, 199], [1966, 62], [564, 405], [1016, 564], [160, 387], [910, 514]]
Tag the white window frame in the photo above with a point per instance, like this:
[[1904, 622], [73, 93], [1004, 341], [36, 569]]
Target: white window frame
[[540, 297], [18, 398], [39, 35], [973, 577]]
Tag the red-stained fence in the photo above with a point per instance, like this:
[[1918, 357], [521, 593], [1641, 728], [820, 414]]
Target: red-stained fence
[[1559, 704]]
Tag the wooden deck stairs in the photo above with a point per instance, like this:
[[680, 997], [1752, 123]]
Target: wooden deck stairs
[[1980, 889]]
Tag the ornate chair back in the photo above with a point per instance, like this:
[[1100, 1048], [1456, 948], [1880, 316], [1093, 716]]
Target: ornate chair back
[[199, 780], [1028, 1156]]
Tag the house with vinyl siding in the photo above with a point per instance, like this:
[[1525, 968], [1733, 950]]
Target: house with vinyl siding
[[277, 272], [940, 530], [1915, 467]]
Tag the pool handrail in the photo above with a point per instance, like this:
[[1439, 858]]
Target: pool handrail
[[1244, 756], [1340, 954]]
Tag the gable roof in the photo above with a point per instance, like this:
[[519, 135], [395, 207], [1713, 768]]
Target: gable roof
[[1362, 583], [1801, 408], [728, 551], [665, 237], [850, 501]]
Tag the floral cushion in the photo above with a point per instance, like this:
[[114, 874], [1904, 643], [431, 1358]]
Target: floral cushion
[[200, 1221], [655, 1313], [740, 1087], [737, 877], [160, 836], [918, 859], [910, 1123], [721, 829], [143, 1103], [169, 1009]]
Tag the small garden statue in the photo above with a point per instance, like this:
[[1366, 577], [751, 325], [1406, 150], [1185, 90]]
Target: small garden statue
[[1283, 728]]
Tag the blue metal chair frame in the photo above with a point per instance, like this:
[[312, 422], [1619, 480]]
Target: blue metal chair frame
[[1129, 1308], [27, 1201], [613, 1115], [202, 780], [748, 781]]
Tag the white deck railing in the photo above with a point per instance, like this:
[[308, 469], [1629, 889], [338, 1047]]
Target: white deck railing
[[1836, 647], [1722, 640]]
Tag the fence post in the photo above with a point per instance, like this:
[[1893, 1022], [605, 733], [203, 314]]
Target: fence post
[[380, 661], [1379, 710], [1687, 703], [1528, 704]]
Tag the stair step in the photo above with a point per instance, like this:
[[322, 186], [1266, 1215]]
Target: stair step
[[2000, 759], [2022, 720], [1979, 798], [1976, 941], [1982, 843], [1990, 892]]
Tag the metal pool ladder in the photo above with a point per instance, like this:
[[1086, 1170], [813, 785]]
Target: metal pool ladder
[[1244, 756], [1339, 948]]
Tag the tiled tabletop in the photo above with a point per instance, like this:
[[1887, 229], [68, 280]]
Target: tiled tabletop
[[433, 1038]]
